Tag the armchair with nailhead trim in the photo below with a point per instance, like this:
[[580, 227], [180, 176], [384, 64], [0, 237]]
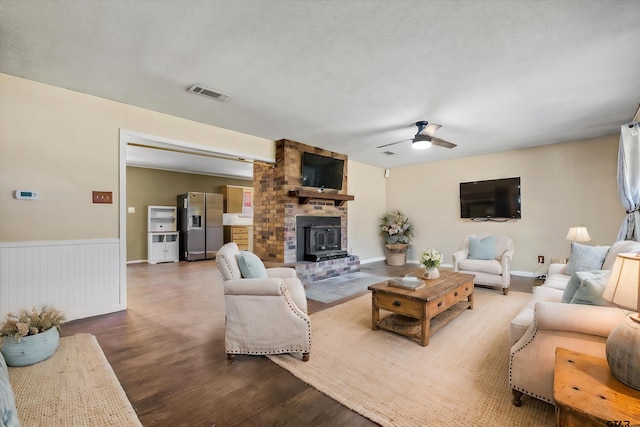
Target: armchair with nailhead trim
[[265, 315]]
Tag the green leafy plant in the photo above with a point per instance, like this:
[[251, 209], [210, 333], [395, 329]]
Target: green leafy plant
[[396, 228], [431, 258], [31, 323]]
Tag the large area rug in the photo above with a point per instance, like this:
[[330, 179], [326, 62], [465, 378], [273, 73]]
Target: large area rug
[[459, 379], [74, 387], [335, 288]]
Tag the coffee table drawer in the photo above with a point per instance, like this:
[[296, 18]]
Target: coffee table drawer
[[399, 305], [459, 293], [438, 305]]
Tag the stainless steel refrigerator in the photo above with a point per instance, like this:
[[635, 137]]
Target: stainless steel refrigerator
[[200, 225]]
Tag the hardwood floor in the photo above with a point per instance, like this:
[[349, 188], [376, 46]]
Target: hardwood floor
[[167, 350]]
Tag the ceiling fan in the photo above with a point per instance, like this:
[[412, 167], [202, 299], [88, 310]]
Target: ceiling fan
[[424, 138]]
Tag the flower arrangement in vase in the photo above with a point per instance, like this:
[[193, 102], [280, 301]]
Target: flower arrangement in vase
[[31, 337], [431, 259], [397, 231]]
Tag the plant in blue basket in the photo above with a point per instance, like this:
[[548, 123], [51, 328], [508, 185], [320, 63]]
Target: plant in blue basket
[[31, 336], [31, 322]]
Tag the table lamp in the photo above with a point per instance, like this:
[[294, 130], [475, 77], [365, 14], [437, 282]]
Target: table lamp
[[578, 234], [623, 343]]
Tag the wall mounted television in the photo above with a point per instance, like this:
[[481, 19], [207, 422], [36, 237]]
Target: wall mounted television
[[495, 198], [321, 171]]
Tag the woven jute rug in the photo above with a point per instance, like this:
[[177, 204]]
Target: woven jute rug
[[74, 387], [459, 379]]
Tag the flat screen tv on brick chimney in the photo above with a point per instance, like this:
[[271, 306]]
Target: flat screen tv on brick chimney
[[321, 171]]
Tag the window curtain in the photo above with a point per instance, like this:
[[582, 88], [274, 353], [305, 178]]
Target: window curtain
[[629, 180]]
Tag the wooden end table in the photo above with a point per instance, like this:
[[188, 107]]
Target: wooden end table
[[435, 305], [587, 394]]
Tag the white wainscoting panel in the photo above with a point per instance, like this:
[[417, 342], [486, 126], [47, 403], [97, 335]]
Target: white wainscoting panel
[[79, 277]]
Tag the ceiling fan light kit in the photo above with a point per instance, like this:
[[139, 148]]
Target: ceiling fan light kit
[[421, 144]]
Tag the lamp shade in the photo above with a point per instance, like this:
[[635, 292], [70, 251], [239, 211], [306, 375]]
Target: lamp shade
[[578, 234], [624, 282]]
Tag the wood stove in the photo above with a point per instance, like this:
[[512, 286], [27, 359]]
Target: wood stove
[[319, 238]]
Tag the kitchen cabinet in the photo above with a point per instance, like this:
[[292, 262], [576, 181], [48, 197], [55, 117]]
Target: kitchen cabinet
[[240, 234], [237, 199]]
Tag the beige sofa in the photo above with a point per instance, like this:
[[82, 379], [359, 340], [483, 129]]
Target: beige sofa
[[546, 323]]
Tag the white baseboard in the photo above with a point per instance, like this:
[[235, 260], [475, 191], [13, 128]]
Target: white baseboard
[[524, 274], [370, 260]]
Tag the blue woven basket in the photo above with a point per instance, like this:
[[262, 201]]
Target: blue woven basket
[[30, 349]]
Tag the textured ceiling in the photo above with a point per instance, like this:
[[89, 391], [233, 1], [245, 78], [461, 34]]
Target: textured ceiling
[[347, 75]]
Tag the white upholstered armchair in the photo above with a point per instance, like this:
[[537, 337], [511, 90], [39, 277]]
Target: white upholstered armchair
[[264, 315], [488, 257]]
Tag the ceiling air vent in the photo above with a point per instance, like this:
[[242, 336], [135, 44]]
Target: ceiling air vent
[[201, 90], [388, 153]]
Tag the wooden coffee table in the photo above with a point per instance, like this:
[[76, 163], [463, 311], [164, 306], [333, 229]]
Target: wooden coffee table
[[433, 306]]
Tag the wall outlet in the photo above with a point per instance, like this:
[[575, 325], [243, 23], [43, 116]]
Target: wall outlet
[[540, 259]]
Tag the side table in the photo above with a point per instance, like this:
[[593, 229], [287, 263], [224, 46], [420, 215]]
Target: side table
[[587, 394]]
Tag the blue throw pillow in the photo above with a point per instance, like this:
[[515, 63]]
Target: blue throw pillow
[[251, 267], [8, 411], [591, 290], [482, 248], [586, 258], [576, 282], [572, 286]]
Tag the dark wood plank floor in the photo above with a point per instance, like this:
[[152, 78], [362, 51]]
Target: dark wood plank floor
[[167, 350]]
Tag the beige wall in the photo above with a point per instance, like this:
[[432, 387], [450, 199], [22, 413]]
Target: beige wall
[[562, 185], [159, 188], [65, 144], [367, 184]]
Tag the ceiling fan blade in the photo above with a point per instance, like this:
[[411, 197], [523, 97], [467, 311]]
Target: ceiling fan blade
[[421, 137], [430, 129], [443, 143], [393, 143]]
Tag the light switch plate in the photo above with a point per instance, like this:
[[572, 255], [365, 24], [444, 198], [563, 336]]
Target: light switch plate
[[102, 197]]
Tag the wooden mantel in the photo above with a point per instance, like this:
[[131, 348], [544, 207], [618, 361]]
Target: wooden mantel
[[305, 196]]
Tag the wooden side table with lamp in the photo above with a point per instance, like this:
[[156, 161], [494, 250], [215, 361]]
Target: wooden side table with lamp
[[586, 394], [589, 391]]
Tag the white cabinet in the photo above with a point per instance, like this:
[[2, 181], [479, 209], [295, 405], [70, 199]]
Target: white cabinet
[[163, 239], [161, 218], [162, 247]]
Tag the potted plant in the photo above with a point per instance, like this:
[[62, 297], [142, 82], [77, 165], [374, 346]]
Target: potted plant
[[397, 231], [31, 337], [431, 259]]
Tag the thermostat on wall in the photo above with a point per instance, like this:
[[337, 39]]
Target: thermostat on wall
[[26, 195]]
